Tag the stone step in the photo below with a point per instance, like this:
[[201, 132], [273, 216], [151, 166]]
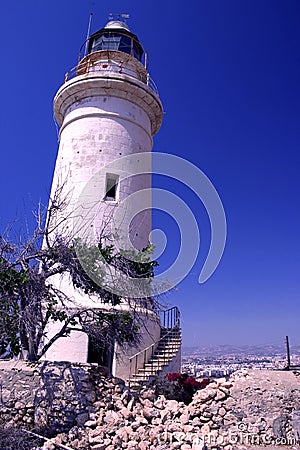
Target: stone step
[[149, 367], [173, 339], [154, 366], [168, 345], [140, 378], [159, 361], [166, 350]]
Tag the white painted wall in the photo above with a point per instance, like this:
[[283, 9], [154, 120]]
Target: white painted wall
[[103, 117]]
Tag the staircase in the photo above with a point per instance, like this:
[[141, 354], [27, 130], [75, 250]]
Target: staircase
[[157, 357]]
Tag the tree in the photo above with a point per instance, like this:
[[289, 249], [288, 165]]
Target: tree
[[30, 300]]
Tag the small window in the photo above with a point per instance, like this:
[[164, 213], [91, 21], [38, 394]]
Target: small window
[[111, 187]]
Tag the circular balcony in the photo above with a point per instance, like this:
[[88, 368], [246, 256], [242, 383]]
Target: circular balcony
[[106, 63]]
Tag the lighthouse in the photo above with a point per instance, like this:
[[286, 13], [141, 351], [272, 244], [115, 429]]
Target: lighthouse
[[108, 110]]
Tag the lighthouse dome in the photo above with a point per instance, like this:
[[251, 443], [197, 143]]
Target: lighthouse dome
[[117, 24]]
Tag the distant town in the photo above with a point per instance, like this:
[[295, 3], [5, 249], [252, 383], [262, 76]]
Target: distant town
[[221, 361]]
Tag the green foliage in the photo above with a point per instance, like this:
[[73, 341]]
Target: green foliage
[[136, 264], [10, 278], [29, 301]]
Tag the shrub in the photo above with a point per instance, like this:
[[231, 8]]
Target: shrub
[[180, 387]]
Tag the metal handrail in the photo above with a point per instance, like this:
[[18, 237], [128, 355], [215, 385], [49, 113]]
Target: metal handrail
[[171, 318], [84, 66]]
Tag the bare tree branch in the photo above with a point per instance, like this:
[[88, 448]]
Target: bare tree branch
[[30, 298]]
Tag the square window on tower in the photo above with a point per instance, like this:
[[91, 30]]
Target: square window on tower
[[111, 187]]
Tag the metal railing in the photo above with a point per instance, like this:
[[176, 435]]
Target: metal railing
[[91, 65], [170, 318], [170, 322]]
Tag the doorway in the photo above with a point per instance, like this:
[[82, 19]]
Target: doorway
[[102, 356]]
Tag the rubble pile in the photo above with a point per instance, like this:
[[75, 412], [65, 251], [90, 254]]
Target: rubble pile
[[82, 408], [252, 408]]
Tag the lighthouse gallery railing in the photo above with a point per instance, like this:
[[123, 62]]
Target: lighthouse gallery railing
[[89, 64]]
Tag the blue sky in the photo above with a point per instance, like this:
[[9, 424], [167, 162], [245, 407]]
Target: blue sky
[[228, 75]]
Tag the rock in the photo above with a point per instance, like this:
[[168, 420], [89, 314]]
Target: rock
[[227, 384], [97, 439], [266, 402], [222, 411], [82, 418], [207, 414], [126, 413], [91, 396], [117, 441], [224, 389], [109, 405], [176, 445], [205, 429], [196, 421], [206, 394], [111, 417], [146, 402], [125, 397], [147, 394], [130, 404], [184, 418], [90, 423], [188, 428], [133, 445], [19, 405], [165, 415], [144, 445], [172, 405], [279, 425], [99, 447], [123, 433], [118, 404], [220, 395], [179, 436], [149, 413], [41, 418], [295, 423], [204, 419], [48, 446], [193, 410], [115, 380], [160, 402], [135, 425]]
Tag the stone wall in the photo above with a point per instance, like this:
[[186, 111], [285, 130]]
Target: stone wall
[[86, 410], [47, 395]]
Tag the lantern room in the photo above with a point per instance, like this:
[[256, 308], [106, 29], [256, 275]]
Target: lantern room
[[115, 36]]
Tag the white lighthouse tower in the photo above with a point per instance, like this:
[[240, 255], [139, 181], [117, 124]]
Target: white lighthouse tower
[[108, 110]]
